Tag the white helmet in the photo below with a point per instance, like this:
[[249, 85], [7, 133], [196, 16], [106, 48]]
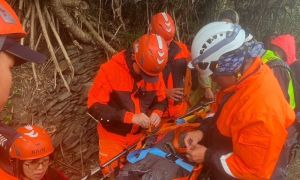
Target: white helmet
[[212, 41]]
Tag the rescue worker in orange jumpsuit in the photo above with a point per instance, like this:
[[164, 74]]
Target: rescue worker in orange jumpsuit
[[175, 70], [231, 16], [31, 154], [251, 133], [128, 93], [16, 147]]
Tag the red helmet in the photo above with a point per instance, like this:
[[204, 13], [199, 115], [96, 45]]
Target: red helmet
[[163, 24], [151, 54], [9, 22], [33, 143]]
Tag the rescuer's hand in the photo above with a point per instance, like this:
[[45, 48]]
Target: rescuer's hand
[[176, 93], [154, 119], [208, 94], [141, 119]]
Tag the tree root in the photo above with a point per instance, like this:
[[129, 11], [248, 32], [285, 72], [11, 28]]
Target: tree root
[[60, 43], [68, 22], [50, 47], [31, 43], [99, 39], [25, 20]]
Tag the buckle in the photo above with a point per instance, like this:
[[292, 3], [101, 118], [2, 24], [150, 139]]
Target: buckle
[[171, 157]]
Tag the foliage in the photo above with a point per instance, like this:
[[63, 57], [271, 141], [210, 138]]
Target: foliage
[[260, 17]]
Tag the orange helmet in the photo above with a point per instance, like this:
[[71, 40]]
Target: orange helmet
[[163, 24], [9, 22], [151, 55], [33, 143]]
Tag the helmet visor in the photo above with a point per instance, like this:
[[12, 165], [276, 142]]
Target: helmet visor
[[23, 54]]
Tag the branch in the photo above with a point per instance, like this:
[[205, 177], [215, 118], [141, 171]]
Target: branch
[[71, 3], [75, 3], [101, 41], [119, 12], [68, 22], [176, 25], [50, 47], [25, 21], [26, 18], [21, 4], [31, 43], [60, 43]]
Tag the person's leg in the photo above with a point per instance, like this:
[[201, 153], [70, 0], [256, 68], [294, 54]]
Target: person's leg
[[132, 139], [110, 145]]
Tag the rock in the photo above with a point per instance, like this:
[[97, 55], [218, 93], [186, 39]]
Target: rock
[[62, 109], [59, 106], [64, 96], [51, 104]]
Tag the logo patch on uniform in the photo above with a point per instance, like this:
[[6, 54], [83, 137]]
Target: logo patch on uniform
[[6, 16]]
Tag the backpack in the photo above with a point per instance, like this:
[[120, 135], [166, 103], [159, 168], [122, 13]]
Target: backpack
[[279, 65]]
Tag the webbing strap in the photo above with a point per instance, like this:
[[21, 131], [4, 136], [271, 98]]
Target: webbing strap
[[139, 155]]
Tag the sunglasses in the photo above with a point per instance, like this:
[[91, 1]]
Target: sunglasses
[[212, 66]]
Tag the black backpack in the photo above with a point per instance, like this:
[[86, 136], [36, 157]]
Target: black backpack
[[279, 64]]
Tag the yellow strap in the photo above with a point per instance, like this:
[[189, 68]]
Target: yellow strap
[[187, 84]]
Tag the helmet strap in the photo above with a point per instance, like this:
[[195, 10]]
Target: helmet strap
[[17, 170], [130, 61]]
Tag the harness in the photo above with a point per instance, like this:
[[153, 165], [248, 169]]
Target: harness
[[139, 155], [175, 147]]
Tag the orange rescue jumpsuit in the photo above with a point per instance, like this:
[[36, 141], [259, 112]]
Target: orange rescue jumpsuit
[[251, 128], [174, 76], [116, 95]]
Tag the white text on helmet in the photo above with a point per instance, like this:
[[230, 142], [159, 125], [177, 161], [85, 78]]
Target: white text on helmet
[[38, 151]]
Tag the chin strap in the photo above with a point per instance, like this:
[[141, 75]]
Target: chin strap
[[16, 168]]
